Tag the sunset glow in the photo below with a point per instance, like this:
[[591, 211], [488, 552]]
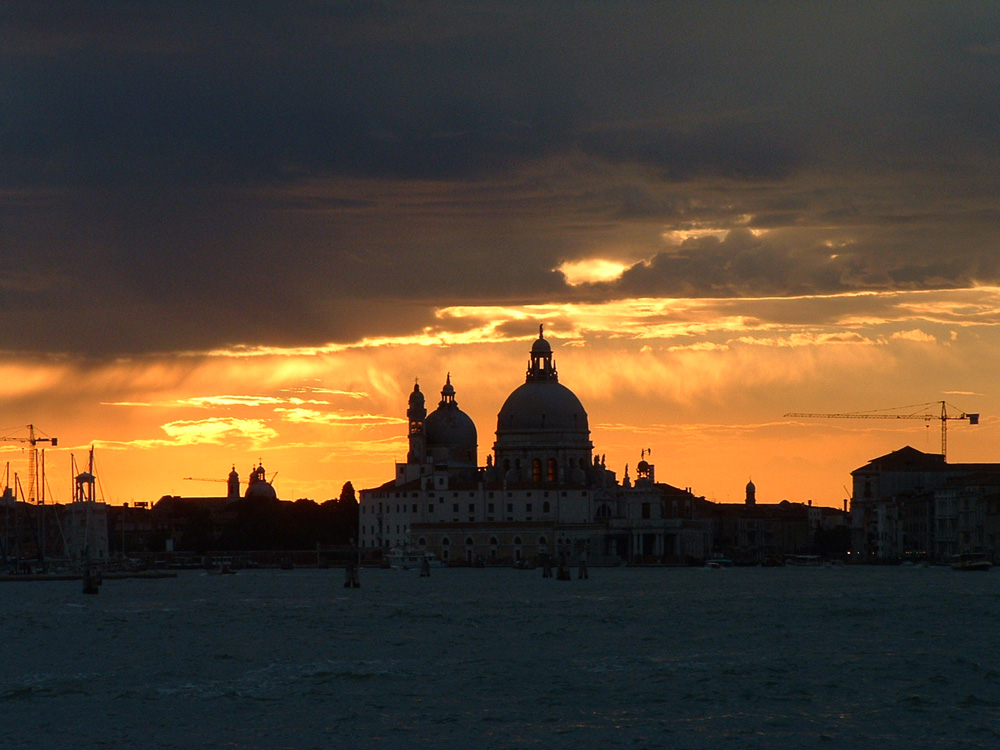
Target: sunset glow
[[699, 385], [591, 271], [250, 254]]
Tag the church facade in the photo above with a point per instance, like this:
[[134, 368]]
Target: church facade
[[542, 492]]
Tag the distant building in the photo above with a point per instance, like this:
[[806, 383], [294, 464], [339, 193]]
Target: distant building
[[913, 504], [751, 534], [188, 522]]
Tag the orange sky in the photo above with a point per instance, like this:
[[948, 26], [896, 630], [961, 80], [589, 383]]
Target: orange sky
[[701, 386]]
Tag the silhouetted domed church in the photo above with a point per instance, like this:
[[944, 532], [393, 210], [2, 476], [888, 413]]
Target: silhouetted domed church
[[541, 492], [258, 486]]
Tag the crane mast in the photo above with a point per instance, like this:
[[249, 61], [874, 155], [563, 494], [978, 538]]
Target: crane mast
[[921, 412], [33, 440]]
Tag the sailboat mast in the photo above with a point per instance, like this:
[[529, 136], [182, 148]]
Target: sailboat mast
[[41, 514]]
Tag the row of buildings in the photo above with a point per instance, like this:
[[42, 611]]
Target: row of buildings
[[913, 505], [543, 491], [170, 528]]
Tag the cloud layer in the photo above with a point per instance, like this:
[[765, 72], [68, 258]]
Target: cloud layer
[[178, 177]]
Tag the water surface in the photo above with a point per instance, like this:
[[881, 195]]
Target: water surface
[[684, 658]]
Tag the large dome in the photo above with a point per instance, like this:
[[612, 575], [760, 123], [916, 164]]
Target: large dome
[[542, 420], [542, 407]]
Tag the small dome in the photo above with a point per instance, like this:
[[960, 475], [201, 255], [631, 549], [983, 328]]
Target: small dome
[[261, 490], [541, 346], [450, 431], [416, 397]]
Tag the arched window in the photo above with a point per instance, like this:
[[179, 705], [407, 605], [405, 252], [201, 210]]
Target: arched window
[[445, 542], [421, 542], [506, 465], [468, 541], [552, 470], [536, 470], [517, 541], [604, 511], [541, 541]]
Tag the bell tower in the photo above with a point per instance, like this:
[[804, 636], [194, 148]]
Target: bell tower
[[416, 414], [234, 484]]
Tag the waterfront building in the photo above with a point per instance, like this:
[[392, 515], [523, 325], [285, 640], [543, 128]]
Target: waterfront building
[[752, 533], [914, 504], [543, 492]]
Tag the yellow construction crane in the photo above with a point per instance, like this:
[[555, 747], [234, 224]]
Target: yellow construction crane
[[921, 411], [32, 440]]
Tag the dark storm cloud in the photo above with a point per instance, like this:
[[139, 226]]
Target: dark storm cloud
[[224, 92], [195, 166], [744, 264], [424, 89]]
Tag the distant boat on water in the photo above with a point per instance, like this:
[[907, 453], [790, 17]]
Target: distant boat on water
[[971, 561], [400, 559]]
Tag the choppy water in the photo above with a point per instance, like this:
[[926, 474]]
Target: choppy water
[[743, 658]]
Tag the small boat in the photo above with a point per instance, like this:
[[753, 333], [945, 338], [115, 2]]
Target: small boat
[[971, 561], [717, 563], [400, 559]]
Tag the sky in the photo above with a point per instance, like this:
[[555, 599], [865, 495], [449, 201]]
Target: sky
[[238, 232]]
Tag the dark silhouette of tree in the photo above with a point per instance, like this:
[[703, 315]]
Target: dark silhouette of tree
[[347, 494], [344, 513]]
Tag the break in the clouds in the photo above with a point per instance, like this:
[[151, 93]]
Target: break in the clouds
[[187, 176], [217, 430]]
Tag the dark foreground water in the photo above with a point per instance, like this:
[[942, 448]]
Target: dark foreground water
[[742, 658]]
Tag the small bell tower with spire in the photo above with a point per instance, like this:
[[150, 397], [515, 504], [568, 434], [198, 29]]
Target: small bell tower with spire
[[416, 414]]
